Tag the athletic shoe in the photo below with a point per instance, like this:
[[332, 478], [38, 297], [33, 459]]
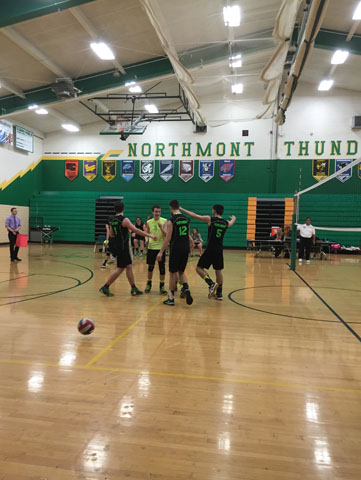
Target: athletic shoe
[[105, 290], [182, 293], [103, 265], [148, 288], [112, 259], [169, 302], [300, 260], [163, 291], [189, 298], [141, 254], [218, 296], [18, 259], [135, 291], [212, 289], [308, 261]]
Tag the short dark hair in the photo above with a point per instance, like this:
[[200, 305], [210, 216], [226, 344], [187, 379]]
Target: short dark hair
[[119, 207], [308, 218], [156, 206], [139, 218], [12, 209], [218, 208], [174, 204]]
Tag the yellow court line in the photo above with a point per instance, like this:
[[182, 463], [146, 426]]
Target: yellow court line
[[185, 376], [116, 340]]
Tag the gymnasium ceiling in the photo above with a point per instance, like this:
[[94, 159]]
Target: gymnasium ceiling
[[44, 40]]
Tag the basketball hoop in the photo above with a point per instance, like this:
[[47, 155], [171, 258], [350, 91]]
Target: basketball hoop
[[121, 123]]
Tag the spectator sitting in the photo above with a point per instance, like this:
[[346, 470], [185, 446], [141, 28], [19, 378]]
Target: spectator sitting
[[278, 236]]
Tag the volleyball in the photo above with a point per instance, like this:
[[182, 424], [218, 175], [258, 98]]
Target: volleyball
[[86, 326]]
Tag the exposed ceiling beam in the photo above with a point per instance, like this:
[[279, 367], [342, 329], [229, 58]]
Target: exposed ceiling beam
[[20, 10], [23, 43], [11, 88], [92, 31], [103, 108]]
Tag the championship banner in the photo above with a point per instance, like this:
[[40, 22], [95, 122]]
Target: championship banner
[[320, 169], [109, 169], [206, 170], [146, 170], [347, 173], [359, 171], [6, 132], [127, 169], [226, 169], [186, 169], [90, 169], [166, 169], [71, 169]]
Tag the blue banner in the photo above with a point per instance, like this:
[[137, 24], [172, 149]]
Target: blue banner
[[206, 170], [127, 169], [226, 169], [347, 173], [166, 169]]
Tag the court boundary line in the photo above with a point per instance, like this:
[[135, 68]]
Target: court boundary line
[[185, 376], [344, 323], [125, 332]]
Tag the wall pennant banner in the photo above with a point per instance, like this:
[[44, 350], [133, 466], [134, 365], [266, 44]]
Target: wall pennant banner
[[347, 173], [109, 169], [186, 169], [6, 132], [359, 171], [146, 171], [71, 169], [227, 169], [128, 169], [166, 169], [206, 170], [320, 169], [90, 169]]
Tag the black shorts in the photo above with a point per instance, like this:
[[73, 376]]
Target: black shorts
[[123, 258], [139, 237], [212, 257], [152, 257], [110, 248], [178, 260]]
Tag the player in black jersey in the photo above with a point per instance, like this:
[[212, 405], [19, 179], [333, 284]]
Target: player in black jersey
[[119, 231], [108, 245], [178, 238], [213, 254]]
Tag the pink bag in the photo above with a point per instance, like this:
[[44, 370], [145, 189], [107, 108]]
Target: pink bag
[[21, 240]]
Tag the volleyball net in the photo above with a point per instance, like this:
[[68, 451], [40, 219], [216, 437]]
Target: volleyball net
[[334, 206]]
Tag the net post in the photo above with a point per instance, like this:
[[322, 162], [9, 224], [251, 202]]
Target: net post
[[293, 243]]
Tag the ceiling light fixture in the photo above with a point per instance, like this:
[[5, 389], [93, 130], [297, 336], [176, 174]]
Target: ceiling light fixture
[[70, 127], [232, 16], [41, 111], [102, 50], [237, 88], [325, 85], [33, 106], [357, 13], [151, 108], [339, 57], [135, 89], [235, 61]]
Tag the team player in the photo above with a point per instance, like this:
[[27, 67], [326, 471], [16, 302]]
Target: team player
[[213, 254], [119, 227], [178, 239], [139, 239], [108, 245], [156, 226]]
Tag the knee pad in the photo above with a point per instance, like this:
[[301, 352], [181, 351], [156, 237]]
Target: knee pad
[[150, 268], [162, 268]]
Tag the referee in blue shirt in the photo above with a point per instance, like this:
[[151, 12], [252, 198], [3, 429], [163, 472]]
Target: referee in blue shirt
[[13, 226]]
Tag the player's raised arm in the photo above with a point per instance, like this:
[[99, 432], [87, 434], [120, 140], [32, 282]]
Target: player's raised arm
[[128, 224], [168, 236], [201, 218], [232, 221]]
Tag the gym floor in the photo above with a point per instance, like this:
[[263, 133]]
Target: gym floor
[[265, 385]]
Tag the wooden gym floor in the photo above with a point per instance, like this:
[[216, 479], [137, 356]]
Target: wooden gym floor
[[264, 386]]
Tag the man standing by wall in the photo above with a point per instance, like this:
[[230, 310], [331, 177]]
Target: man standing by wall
[[307, 239], [13, 226]]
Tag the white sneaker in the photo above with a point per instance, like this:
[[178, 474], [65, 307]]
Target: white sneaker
[[300, 260], [112, 259], [308, 261]]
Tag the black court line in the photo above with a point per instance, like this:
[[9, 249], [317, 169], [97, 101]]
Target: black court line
[[58, 291], [344, 323]]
